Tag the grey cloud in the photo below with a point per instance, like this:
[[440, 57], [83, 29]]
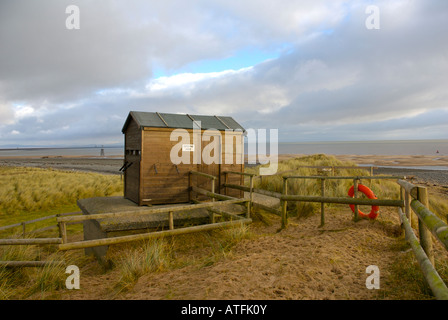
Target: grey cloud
[[41, 59], [334, 84]]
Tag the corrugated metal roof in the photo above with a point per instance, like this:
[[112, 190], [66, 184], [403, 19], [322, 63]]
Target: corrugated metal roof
[[184, 121]]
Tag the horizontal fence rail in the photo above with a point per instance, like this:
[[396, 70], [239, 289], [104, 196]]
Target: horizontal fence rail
[[150, 235], [408, 187], [434, 224], [255, 190], [148, 211], [37, 241], [433, 279], [203, 175], [20, 264], [345, 177], [24, 223], [342, 200], [332, 169], [212, 194]]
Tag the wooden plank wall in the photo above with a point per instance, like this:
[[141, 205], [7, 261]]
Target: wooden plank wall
[[163, 183]]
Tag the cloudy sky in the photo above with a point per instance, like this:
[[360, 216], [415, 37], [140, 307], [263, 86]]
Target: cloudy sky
[[311, 69]]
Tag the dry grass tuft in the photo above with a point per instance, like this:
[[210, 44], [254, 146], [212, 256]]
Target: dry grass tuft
[[155, 255]]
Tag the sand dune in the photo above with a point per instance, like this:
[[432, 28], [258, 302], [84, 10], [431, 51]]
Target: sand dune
[[382, 160]]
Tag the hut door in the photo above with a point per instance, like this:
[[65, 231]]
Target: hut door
[[211, 159]]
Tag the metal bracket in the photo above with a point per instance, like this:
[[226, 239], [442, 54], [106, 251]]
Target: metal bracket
[[126, 166]]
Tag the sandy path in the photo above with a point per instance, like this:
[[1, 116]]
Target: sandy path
[[302, 262]]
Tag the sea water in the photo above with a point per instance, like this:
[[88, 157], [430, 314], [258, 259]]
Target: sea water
[[404, 147]]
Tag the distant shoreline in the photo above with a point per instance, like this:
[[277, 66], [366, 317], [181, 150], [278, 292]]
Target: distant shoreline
[[54, 148], [429, 147], [280, 142], [361, 160]]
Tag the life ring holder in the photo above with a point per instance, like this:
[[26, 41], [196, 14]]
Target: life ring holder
[[369, 193]]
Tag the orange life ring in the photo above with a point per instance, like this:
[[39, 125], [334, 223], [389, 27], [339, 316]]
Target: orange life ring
[[369, 193]]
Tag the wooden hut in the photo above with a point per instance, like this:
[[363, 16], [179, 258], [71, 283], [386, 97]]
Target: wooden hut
[[154, 143]]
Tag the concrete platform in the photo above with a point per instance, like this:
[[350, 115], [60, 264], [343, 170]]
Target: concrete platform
[[102, 228]]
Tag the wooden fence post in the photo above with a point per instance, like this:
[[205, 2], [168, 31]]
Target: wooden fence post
[[285, 204], [251, 195], [355, 188], [171, 219], [402, 195], [322, 204], [189, 187], [213, 188], [23, 229], [59, 225], [424, 233], [225, 182], [407, 207], [63, 232]]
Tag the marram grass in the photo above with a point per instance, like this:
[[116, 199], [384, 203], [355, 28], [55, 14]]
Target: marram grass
[[26, 190], [18, 283]]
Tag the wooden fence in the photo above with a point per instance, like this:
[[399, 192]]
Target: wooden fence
[[341, 200], [332, 169], [33, 241], [284, 197], [214, 207], [235, 219], [428, 221], [416, 198], [25, 223]]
